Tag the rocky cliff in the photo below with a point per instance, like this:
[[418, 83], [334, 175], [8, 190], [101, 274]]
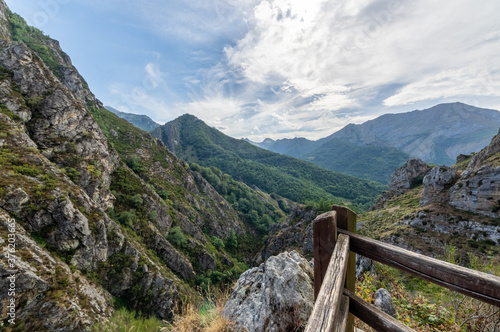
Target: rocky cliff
[[92, 198], [456, 206]]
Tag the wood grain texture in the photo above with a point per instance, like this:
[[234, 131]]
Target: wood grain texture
[[479, 285], [324, 316], [324, 239], [346, 219], [343, 314], [373, 316]]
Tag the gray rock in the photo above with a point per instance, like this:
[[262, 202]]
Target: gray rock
[[363, 265], [478, 192], [276, 296], [437, 184], [479, 187], [383, 301], [404, 177]]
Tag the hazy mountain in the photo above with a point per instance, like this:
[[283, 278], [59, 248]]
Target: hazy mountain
[[301, 181], [436, 135], [372, 150], [143, 122]]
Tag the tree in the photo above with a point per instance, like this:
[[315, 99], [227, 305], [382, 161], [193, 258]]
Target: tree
[[232, 241]]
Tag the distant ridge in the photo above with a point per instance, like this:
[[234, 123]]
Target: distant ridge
[[143, 122], [193, 140], [372, 150]]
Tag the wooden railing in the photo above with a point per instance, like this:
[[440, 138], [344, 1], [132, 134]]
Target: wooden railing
[[335, 246]]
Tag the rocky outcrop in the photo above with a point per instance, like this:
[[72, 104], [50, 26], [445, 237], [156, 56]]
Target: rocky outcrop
[[59, 124], [4, 23], [437, 184], [296, 233], [478, 189], [54, 297], [276, 296], [478, 192], [410, 175]]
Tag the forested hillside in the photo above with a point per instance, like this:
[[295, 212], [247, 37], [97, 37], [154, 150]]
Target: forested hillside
[[300, 181]]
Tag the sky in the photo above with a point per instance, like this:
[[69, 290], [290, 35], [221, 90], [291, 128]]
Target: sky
[[278, 68]]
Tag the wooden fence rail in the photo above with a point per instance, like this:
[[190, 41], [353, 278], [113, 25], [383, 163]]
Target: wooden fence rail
[[334, 275]]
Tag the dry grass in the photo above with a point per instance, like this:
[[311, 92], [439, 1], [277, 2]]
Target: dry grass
[[205, 316]]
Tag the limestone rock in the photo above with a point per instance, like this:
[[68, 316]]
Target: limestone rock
[[276, 296], [363, 265], [48, 295], [383, 301], [404, 177], [437, 184], [478, 192], [479, 187]]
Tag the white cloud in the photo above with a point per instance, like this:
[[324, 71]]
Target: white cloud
[[327, 56]]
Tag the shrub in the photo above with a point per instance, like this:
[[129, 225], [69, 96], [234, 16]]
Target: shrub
[[176, 237], [218, 243]]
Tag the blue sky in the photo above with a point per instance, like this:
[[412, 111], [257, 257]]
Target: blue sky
[[278, 68]]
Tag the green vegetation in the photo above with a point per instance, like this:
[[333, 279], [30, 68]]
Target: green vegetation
[[371, 162], [35, 40], [294, 179], [255, 208], [124, 320], [424, 306]]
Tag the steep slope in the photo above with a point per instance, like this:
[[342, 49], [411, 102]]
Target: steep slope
[[48, 136], [143, 122], [450, 207], [372, 161], [91, 222], [436, 135], [300, 181]]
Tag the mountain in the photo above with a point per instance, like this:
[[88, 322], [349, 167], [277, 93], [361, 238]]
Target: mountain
[[436, 135], [372, 150], [191, 139], [103, 214], [143, 122]]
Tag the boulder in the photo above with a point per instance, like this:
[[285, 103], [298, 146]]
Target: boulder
[[383, 301], [276, 296]]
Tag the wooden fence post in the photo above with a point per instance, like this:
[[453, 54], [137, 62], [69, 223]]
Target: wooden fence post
[[346, 219], [324, 239]]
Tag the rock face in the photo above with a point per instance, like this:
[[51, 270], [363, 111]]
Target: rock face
[[276, 296], [478, 189], [437, 184], [404, 178], [40, 282], [295, 233], [91, 215], [412, 172], [58, 122]]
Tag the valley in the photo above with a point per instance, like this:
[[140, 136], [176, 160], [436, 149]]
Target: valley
[[122, 222]]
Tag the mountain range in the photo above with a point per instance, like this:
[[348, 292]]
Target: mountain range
[[107, 218], [301, 181], [372, 150]]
